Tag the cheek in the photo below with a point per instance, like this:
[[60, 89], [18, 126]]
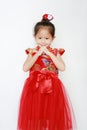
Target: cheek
[[38, 40], [49, 41]]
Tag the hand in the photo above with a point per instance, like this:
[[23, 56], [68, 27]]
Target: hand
[[47, 51], [41, 50]]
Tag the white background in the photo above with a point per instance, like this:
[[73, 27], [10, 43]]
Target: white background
[[17, 19]]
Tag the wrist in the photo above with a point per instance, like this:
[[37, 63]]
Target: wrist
[[38, 53]]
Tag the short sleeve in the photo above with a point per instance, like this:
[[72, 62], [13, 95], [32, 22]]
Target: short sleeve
[[30, 51], [59, 51]]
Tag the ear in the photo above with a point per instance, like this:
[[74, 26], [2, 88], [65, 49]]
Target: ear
[[54, 37], [34, 35]]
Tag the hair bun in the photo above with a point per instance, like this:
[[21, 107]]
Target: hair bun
[[47, 17]]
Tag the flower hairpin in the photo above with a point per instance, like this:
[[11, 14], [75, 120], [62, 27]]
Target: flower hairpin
[[48, 17]]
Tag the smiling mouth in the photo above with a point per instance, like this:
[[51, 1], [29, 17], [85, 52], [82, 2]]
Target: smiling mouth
[[43, 44]]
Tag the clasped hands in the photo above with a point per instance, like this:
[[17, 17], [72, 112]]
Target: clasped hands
[[43, 49]]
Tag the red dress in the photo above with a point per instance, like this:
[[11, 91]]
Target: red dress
[[44, 104]]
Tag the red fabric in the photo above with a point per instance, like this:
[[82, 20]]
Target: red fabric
[[44, 103], [27, 52], [55, 50]]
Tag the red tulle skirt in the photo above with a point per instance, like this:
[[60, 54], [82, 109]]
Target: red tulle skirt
[[44, 104]]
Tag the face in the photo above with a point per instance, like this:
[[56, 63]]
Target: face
[[43, 37]]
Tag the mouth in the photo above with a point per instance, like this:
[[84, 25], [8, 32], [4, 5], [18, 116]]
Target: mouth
[[43, 44]]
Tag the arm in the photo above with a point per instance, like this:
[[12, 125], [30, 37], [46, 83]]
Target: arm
[[57, 60], [29, 62]]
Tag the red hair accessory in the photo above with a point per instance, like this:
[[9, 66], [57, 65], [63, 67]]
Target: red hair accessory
[[48, 17]]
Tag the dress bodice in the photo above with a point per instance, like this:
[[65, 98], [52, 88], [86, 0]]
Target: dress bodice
[[44, 62]]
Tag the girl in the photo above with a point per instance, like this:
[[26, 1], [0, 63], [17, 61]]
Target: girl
[[44, 104]]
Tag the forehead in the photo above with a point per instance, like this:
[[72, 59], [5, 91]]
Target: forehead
[[43, 31]]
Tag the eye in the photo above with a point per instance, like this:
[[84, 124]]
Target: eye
[[47, 38], [39, 38]]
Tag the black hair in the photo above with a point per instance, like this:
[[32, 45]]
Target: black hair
[[45, 23]]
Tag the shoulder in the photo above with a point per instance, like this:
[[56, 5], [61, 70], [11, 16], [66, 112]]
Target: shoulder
[[30, 51], [58, 51]]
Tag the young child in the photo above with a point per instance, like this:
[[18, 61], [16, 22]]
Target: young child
[[44, 104]]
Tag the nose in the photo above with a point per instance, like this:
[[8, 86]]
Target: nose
[[43, 40]]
